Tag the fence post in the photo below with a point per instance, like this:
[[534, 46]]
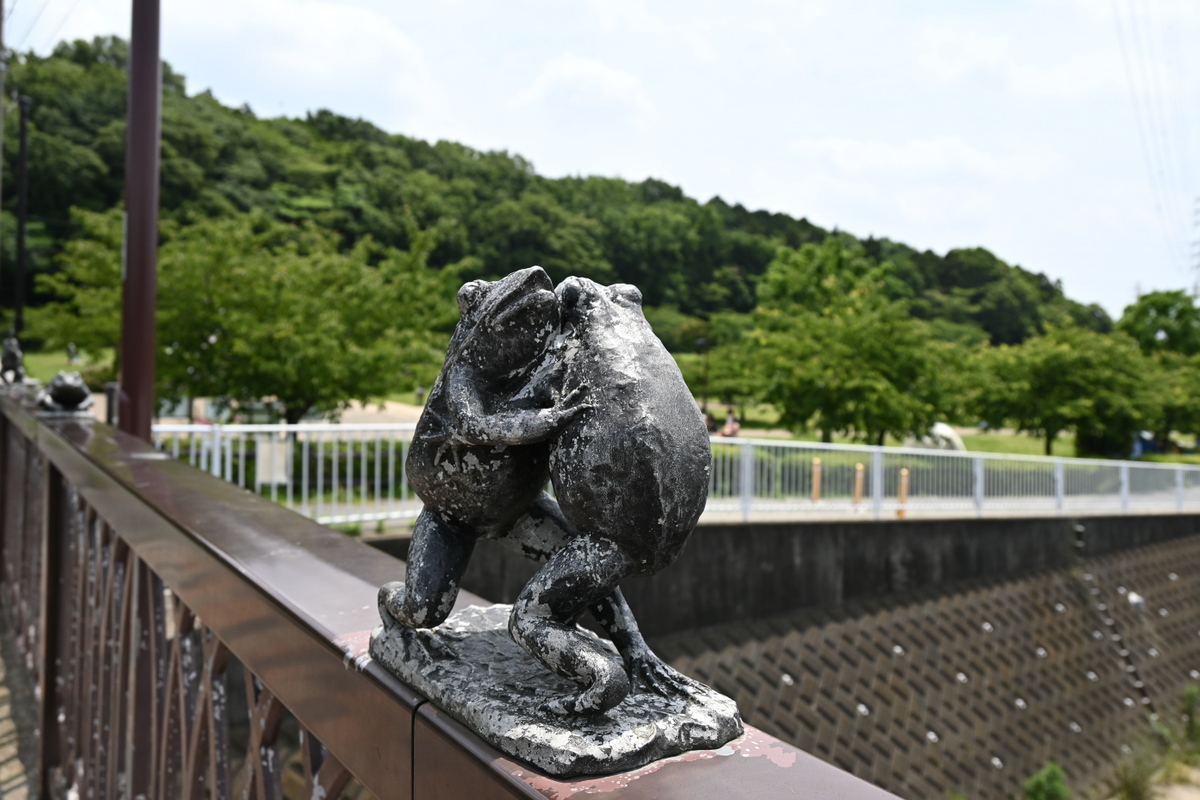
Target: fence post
[[1060, 487], [216, 458], [1124, 471], [747, 477], [1179, 489], [979, 488], [877, 481]]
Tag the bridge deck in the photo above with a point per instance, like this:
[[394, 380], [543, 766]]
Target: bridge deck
[[16, 725]]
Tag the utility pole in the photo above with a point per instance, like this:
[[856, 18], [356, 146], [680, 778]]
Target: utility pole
[[22, 211], [140, 270]]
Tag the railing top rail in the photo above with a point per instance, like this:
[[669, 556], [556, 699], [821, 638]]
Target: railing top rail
[[302, 427], [931, 453]]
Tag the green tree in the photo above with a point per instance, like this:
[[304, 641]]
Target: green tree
[[1163, 321], [837, 355], [1173, 402], [251, 308], [1070, 379]]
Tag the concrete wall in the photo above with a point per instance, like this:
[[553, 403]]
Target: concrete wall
[[972, 689], [732, 573]]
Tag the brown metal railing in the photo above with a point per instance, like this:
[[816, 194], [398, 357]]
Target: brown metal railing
[[188, 639]]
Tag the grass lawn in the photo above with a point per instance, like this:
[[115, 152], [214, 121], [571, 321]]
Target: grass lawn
[[1173, 458], [48, 363], [45, 366], [763, 416], [1017, 443]]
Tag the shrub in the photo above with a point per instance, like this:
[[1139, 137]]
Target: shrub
[[1135, 773], [1048, 784]]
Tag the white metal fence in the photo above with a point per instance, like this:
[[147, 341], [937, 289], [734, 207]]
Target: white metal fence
[[338, 473], [333, 473]]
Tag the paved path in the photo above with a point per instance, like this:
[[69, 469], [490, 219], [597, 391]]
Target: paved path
[[1187, 789], [16, 723]]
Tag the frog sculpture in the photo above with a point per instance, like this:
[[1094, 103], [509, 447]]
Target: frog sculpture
[[570, 386], [479, 460], [12, 367], [66, 392]]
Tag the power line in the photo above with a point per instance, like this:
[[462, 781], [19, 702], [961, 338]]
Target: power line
[[36, 20], [1149, 152], [63, 21], [1153, 59]]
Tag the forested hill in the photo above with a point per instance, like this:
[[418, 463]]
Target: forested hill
[[492, 211]]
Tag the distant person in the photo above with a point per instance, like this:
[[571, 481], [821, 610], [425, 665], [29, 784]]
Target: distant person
[[731, 426], [72, 353], [710, 422]]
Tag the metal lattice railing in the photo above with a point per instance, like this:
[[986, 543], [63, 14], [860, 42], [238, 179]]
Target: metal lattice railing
[[353, 473]]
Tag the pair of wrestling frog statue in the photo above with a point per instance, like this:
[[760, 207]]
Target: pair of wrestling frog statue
[[572, 386]]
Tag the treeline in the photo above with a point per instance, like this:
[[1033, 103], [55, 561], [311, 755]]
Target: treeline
[[833, 351], [755, 295], [492, 211]]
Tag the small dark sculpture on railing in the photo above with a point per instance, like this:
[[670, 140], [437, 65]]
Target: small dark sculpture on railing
[[574, 387], [12, 361], [66, 393]]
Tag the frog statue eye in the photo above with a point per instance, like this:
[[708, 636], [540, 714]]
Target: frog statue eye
[[469, 296], [627, 293]]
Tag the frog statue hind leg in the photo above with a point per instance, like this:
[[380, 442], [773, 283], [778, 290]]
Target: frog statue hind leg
[[585, 571], [540, 535]]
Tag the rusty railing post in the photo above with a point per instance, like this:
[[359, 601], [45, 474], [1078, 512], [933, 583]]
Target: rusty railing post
[[140, 280]]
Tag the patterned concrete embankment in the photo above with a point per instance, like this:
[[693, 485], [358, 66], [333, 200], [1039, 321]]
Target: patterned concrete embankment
[[972, 688]]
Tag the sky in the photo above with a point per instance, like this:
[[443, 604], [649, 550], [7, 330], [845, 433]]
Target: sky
[[1056, 133]]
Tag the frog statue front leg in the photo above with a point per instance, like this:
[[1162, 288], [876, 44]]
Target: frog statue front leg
[[478, 446]]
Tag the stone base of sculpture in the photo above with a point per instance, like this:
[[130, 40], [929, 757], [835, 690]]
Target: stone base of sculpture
[[471, 668]]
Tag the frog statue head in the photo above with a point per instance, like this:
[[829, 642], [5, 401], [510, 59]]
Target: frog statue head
[[506, 325], [66, 392], [12, 368]]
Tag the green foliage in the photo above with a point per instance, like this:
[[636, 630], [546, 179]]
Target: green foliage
[[252, 308], [1070, 379], [493, 211], [1049, 783], [837, 355], [1191, 725], [1163, 322], [1135, 772], [1173, 402]]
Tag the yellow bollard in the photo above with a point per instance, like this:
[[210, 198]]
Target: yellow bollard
[[858, 483], [816, 493], [900, 512]]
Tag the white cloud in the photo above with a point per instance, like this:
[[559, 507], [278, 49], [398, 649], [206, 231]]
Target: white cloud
[[321, 49], [583, 82], [954, 55], [951, 55], [940, 157]]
